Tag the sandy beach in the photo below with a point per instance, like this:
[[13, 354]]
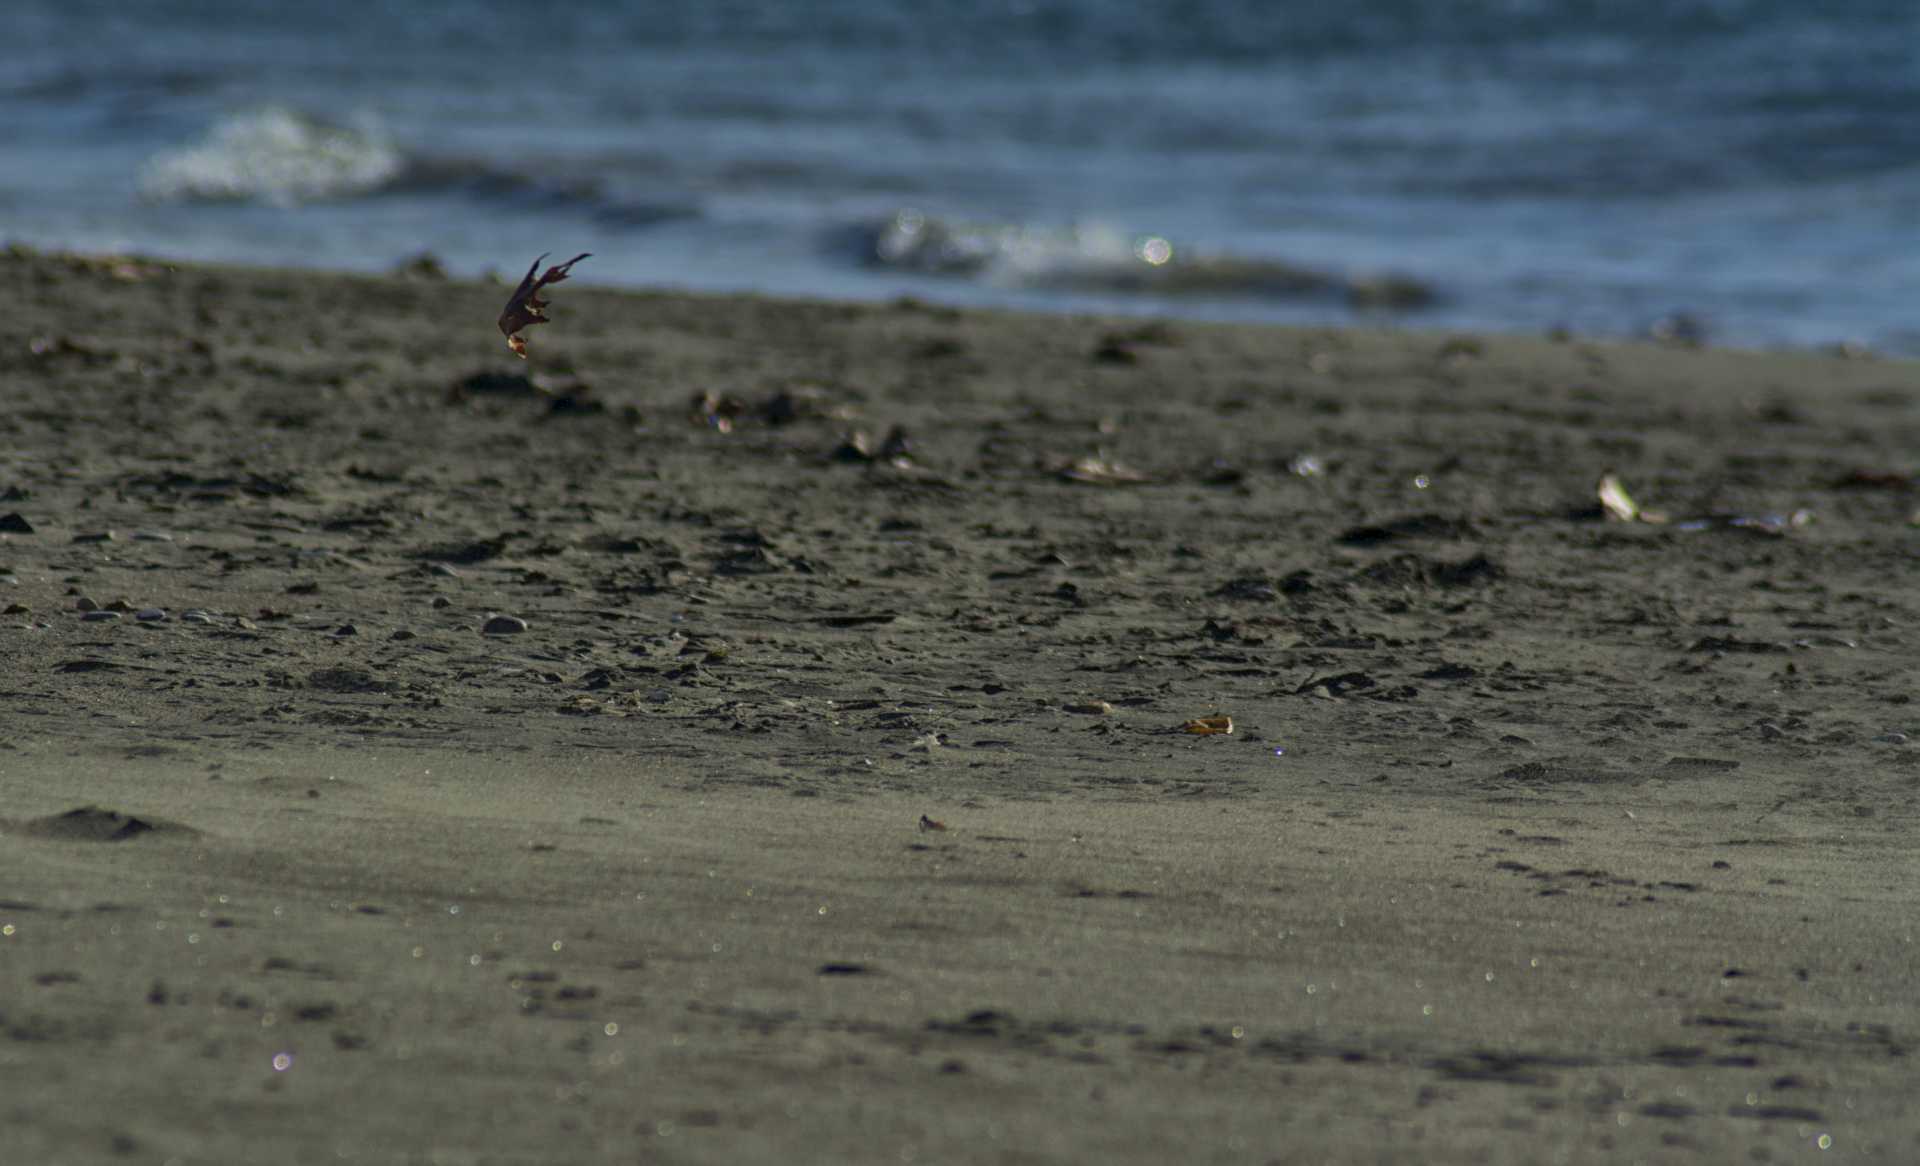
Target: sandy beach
[[757, 730]]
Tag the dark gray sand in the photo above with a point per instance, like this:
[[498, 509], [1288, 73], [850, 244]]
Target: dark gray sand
[[1540, 836]]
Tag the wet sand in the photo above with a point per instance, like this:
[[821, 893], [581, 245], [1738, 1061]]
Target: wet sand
[[1540, 836]]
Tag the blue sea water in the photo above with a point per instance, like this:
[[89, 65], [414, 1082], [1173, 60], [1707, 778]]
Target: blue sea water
[[1598, 166]]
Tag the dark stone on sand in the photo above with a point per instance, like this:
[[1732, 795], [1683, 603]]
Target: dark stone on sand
[[855, 446], [1339, 685], [346, 680], [1776, 1113], [896, 447], [1298, 583], [982, 1022], [218, 488], [1251, 589], [89, 824], [15, 523], [489, 382], [1731, 644], [477, 551], [1567, 771], [748, 561], [939, 348], [1477, 569], [1407, 526], [852, 620], [1703, 764], [504, 625]]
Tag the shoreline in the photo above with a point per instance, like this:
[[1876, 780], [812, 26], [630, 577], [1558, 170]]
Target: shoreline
[[1373, 301], [743, 650]]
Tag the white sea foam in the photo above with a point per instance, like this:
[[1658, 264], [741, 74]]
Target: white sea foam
[[1101, 258], [275, 155]]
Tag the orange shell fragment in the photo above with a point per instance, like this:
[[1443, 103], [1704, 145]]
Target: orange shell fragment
[[1208, 726]]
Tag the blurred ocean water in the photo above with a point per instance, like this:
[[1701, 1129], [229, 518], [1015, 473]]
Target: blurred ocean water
[[1752, 166]]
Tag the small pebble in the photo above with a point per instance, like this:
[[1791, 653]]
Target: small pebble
[[1892, 738], [504, 625], [152, 536], [18, 609], [402, 634], [443, 569], [122, 606], [346, 629], [97, 536], [1770, 731], [97, 616], [442, 601], [195, 615], [85, 603], [1091, 708], [15, 523], [150, 614]]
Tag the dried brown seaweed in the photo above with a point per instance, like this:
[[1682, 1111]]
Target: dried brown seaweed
[[526, 308]]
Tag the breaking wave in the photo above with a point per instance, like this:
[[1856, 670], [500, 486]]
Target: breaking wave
[[283, 157], [1098, 258], [276, 155]]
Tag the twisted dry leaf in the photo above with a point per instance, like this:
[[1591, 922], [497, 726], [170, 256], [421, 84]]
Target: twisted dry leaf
[[525, 308]]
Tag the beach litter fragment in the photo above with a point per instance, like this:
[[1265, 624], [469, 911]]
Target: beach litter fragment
[[1771, 525], [856, 445], [526, 308], [1215, 725], [1101, 470], [725, 412], [896, 449], [1864, 478], [715, 411], [1620, 507]]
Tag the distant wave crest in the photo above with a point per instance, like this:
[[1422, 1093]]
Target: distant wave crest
[[276, 155], [1099, 258], [283, 157]]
